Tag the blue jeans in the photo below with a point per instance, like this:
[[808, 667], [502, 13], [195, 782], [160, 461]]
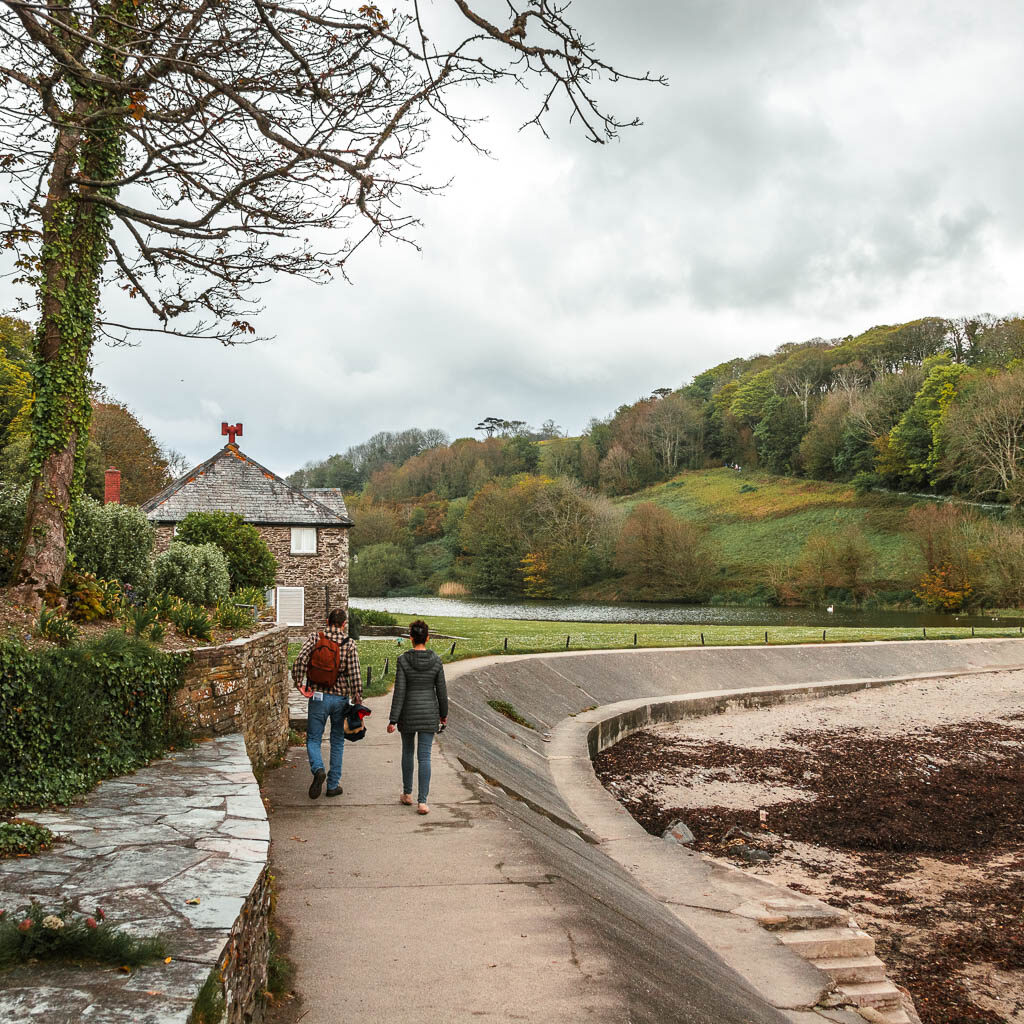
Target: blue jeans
[[333, 706], [426, 741]]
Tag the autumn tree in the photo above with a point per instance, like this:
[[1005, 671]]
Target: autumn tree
[[15, 397], [983, 437], [121, 441], [663, 558], [184, 151]]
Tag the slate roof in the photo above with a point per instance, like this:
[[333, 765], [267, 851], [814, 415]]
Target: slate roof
[[329, 496], [232, 482]]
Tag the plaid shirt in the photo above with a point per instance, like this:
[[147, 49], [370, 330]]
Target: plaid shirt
[[349, 682]]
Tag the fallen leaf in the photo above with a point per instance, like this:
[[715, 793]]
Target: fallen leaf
[[125, 968], [194, 902], [298, 840], [167, 959]]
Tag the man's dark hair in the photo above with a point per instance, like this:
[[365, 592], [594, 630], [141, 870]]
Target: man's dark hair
[[338, 617], [418, 631]]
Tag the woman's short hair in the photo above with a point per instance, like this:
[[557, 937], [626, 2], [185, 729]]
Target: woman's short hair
[[418, 631]]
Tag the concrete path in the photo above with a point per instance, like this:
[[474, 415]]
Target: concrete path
[[463, 915]]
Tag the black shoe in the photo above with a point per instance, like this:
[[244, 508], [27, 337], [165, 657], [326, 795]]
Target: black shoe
[[317, 784], [334, 792]]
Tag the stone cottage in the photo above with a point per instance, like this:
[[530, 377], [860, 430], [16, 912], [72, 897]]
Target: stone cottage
[[307, 531]]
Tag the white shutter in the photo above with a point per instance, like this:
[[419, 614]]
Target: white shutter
[[291, 606], [303, 540]]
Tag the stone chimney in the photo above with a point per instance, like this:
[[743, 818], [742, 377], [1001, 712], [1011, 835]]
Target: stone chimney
[[112, 487]]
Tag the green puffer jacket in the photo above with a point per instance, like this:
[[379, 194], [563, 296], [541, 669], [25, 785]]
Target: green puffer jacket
[[420, 698]]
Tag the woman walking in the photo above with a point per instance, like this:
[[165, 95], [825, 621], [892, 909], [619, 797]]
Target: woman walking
[[419, 709]]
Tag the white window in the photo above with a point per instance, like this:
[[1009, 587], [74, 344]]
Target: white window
[[291, 606], [303, 540], [271, 597]]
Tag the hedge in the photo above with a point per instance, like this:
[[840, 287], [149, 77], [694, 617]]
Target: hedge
[[197, 574], [113, 541], [250, 561], [72, 716]]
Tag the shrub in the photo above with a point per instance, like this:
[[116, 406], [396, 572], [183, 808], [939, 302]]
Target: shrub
[[142, 619], [944, 589], [12, 521], [22, 838], [1003, 567], [112, 542], [380, 569], [163, 604], [663, 558], [192, 620], [369, 617], [250, 562], [54, 626], [250, 595], [197, 574], [90, 599], [113, 696], [233, 616]]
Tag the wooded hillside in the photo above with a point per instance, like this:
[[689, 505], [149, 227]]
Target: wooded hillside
[[932, 406]]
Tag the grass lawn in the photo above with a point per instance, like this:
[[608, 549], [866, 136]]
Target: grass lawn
[[487, 636], [755, 519]]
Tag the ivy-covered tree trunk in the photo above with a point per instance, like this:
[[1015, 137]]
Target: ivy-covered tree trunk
[[89, 144]]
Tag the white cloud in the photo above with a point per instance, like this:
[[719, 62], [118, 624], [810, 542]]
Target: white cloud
[[813, 169]]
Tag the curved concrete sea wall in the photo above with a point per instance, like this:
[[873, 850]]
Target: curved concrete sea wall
[[547, 688], [690, 933]]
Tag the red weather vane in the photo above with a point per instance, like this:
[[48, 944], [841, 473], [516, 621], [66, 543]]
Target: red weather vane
[[229, 431]]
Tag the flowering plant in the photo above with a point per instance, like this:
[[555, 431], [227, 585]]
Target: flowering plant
[[35, 933]]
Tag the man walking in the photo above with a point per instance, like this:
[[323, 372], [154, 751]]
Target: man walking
[[327, 672]]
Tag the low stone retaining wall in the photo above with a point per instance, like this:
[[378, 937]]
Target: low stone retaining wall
[[179, 849], [242, 687]]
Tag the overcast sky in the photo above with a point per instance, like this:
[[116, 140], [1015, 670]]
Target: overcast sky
[[812, 169]]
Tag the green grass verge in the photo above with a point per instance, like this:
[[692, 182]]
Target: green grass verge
[[487, 637]]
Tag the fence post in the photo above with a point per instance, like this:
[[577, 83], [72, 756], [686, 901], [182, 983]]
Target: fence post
[[369, 674], [387, 665], [766, 636], [634, 639], [972, 631], [506, 643], [702, 639], [924, 632], [567, 643], [452, 651], [823, 634]]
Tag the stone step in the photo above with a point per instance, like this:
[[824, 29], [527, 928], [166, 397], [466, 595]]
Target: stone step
[[816, 943], [791, 918], [873, 1016], [856, 970], [882, 995]]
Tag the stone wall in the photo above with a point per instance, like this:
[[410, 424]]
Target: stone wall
[[323, 575], [241, 686], [243, 963], [178, 849]]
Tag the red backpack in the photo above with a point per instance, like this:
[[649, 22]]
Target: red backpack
[[324, 662]]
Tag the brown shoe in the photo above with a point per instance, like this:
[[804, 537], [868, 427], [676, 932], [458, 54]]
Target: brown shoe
[[422, 809], [406, 798]]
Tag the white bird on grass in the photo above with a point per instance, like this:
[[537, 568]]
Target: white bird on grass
[[830, 609]]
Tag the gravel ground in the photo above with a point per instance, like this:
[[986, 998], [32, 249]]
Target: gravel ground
[[903, 803]]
